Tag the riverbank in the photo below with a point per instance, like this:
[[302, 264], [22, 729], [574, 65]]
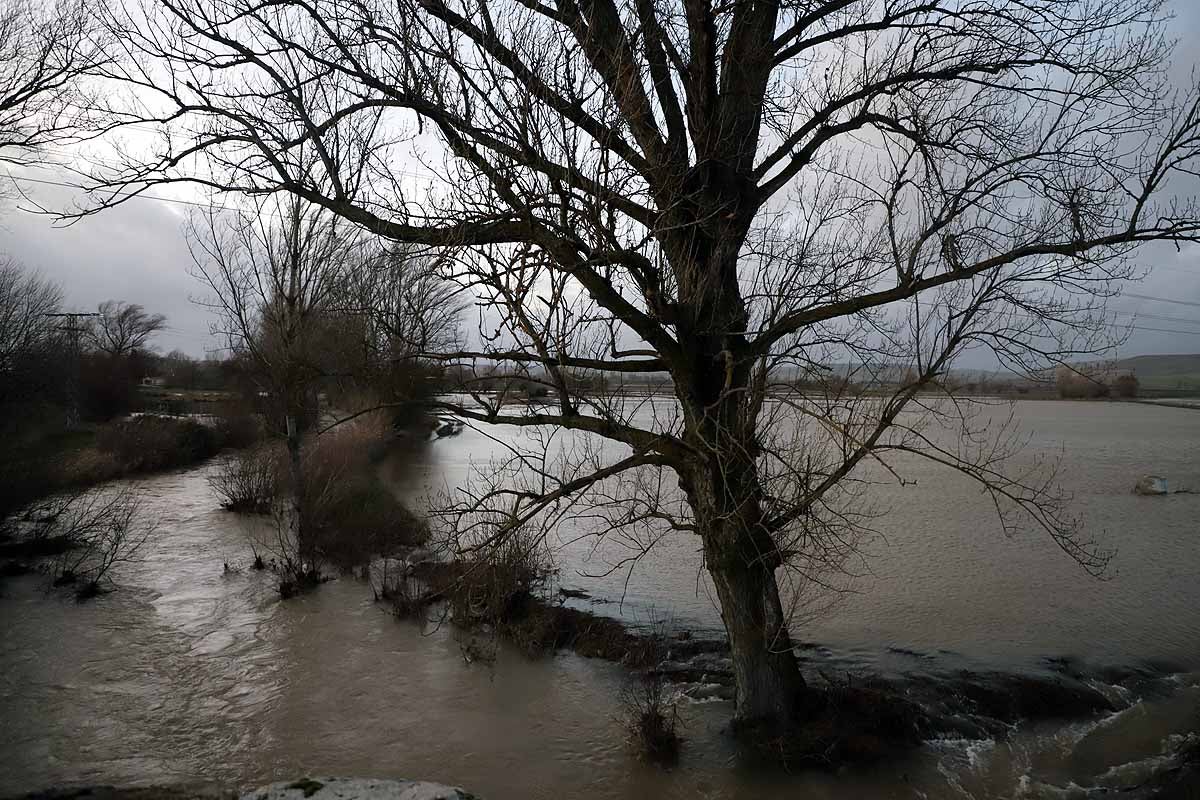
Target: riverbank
[[94, 453], [48, 510], [1192, 403]]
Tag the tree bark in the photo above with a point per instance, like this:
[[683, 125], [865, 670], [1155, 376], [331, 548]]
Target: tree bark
[[742, 557], [725, 491], [295, 467], [770, 686]]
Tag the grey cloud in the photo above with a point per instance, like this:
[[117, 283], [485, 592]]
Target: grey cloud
[[136, 252]]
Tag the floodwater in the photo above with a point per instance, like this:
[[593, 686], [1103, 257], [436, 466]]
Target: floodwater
[[191, 673]]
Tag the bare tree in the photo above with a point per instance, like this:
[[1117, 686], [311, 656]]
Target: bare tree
[[45, 49], [36, 375], [274, 271], [121, 328], [247, 481], [26, 303], [104, 528], [736, 195], [410, 309]]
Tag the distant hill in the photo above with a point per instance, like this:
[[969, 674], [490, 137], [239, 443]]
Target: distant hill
[[1164, 373]]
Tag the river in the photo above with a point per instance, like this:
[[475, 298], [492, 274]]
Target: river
[[188, 672]]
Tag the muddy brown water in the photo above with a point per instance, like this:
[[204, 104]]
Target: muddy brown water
[[190, 673]]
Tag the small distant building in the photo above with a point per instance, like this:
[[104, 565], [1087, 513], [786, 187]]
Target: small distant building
[[154, 381]]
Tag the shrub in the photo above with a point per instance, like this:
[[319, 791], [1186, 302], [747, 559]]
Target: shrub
[[148, 443], [405, 594], [296, 565], [653, 721], [499, 585], [359, 519], [89, 466], [1125, 386], [350, 515], [104, 528], [1075, 384], [248, 481], [238, 428], [648, 702]]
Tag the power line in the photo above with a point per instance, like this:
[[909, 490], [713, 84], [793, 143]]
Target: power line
[[1130, 327], [141, 195], [1164, 330], [1161, 299], [1159, 317]]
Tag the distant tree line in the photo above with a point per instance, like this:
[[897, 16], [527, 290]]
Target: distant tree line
[[1082, 383], [86, 365]]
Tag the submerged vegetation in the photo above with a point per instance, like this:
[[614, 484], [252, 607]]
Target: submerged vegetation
[[85, 534], [649, 703], [652, 719], [248, 481], [347, 516]]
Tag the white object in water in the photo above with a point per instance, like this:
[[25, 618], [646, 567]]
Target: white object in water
[[1151, 485]]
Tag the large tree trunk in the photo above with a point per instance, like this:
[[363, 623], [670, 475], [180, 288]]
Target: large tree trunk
[[770, 686], [723, 486], [742, 557]]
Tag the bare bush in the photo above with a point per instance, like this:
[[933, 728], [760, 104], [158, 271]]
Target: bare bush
[[500, 580], [150, 443], [651, 716], [404, 593], [648, 702], [238, 426], [105, 529], [350, 515], [1077, 384], [248, 481], [1125, 386], [297, 567]]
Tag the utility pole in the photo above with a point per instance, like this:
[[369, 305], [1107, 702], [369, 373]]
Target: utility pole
[[74, 326]]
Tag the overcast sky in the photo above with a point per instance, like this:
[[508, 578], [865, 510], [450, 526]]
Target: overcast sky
[[137, 253]]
